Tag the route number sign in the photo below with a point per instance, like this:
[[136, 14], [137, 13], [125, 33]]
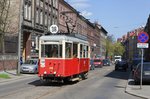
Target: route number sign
[[53, 29]]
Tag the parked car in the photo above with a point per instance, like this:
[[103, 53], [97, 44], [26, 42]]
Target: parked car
[[121, 65], [106, 62], [29, 66], [145, 74], [97, 62], [92, 67], [134, 64]]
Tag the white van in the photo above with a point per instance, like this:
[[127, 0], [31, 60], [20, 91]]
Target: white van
[[117, 58]]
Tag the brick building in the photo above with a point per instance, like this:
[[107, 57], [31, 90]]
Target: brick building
[[130, 43], [71, 21], [38, 16], [147, 29]]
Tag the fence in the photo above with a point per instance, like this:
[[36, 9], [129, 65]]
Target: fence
[[9, 59]]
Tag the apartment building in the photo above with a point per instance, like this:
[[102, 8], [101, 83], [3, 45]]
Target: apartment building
[[130, 43], [147, 30], [70, 20], [36, 18]]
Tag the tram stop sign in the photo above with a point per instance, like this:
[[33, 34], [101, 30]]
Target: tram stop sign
[[143, 38]]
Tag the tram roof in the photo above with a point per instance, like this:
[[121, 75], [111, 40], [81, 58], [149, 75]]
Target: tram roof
[[62, 37]]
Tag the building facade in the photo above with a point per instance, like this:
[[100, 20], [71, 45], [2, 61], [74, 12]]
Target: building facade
[[130, 42], [71, 21], [38, 16], [147, 30]]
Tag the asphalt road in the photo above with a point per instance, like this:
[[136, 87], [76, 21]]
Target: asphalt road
[[102, 83]]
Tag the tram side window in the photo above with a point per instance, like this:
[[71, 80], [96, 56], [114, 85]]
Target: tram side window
[[87, 50], [75, 50], [68, 50], [81, 51], [84, 52]]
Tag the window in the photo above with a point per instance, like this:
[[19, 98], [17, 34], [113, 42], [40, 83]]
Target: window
[[37, 2], [53, 1], [50, 8], [57, 4], [84, 52], [49, 20], [41, 17], [75, 50], [27, 10], [37, 16], [45, 19], [51, 51], [81, 51], [68, 51], [46, 6], [41, 3], [36, 42], [50, 2]]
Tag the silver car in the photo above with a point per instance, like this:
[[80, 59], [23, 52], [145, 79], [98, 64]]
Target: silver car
[[29, 66]]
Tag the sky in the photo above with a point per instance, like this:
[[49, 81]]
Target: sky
[[117, 16]]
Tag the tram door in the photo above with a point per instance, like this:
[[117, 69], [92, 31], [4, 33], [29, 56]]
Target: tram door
[[83, 65]]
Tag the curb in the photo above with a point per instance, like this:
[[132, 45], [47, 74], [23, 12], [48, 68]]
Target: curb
[[128, 91], [137, 95]]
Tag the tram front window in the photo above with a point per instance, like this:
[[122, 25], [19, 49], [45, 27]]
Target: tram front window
[[51, 51]]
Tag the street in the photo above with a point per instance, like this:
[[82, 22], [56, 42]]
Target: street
[[102, 83]]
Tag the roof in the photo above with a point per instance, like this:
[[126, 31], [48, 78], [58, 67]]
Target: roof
[[62, 37]]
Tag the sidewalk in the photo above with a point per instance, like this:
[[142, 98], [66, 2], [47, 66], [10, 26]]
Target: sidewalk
[[13, 76], [135, 89]]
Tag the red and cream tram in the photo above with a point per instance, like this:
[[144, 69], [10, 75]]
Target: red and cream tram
[[63, 58]]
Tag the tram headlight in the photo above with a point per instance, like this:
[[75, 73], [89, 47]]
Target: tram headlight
[[54, 72], [42, 62]]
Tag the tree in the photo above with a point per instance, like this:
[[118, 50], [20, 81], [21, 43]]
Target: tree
[[113, 48], [4, 13], [109, 46], [118, 49]]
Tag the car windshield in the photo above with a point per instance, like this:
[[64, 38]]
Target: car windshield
[[146, 67], [32, 62], [121, 62], [97, 60], [106, 61]]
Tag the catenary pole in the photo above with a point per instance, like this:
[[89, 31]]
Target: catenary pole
[[19, 35], [141, 69]]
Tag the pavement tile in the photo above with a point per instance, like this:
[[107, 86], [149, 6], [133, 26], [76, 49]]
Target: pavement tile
[[143, 92]]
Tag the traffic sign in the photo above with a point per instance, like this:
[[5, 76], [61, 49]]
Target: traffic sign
[[53, 29], [142, 45], [143, 37]]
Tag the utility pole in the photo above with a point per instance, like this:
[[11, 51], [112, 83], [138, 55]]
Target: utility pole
[[19, 35]]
